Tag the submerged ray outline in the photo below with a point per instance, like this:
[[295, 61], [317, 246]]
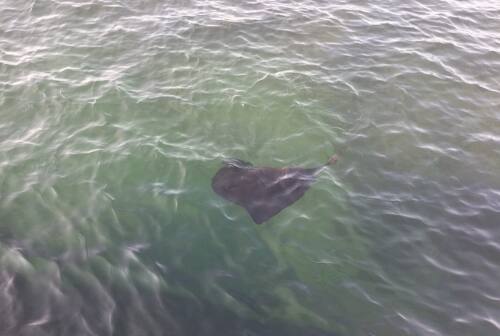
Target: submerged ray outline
[[263, 191]]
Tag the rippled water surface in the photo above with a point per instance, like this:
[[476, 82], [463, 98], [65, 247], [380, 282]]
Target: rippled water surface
[[115, 115]]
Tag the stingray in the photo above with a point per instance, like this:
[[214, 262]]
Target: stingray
[[263, 191]]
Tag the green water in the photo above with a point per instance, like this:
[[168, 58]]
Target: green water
[[114, 116]]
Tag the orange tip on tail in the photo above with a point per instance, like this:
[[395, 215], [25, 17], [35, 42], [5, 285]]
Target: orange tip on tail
[[332, 160]]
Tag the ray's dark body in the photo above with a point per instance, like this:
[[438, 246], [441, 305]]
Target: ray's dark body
[[262, 191]]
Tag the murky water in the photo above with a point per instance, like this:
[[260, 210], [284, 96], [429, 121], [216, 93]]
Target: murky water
[[114, 116]]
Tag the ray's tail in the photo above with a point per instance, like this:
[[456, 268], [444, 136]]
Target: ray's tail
[[332, 160]]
